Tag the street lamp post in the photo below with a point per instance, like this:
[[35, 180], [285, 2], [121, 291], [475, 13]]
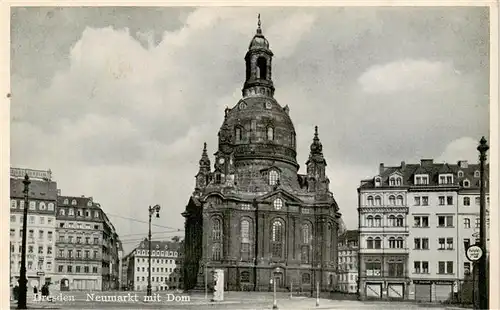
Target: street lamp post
[[483, 283], [152, 210], [23, 281]]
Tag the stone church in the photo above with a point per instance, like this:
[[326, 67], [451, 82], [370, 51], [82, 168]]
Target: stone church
[[253, 215]]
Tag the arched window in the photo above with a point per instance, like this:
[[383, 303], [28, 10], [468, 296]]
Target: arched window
[[245, 239], [273, 177], [477, 200], [292, 139], [400, 200], [66, 201], [392, 200], [61, 211], [51, 206], [270, 133], [460, 174], [378, 221], [369, 243], [42, 206], [399, 221], [398, 181], [262, 68], [73, 202], [392, 182], [466, 183], [392, 220], [369, 221], [277, 239], [306, 229], [378, 201], [370, 200], [278, 204], [399, 243], [378, 243], [392, 242], [377, 182], [306, 278], [216, 229], [238, 134]]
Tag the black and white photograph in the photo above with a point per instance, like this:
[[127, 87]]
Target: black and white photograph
[[287, 157]]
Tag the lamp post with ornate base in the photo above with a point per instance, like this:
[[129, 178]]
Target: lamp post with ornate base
[[23, 281], [483, 283], [152, 210]]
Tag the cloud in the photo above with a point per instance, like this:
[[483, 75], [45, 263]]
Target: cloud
[[407, 75], [126, 101], [464, 148]]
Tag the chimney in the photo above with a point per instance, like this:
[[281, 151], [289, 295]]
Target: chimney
[[58, 192], [463, 164], [426, 162], [403, 165], [381, 168]]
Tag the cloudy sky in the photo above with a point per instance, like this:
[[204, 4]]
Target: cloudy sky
[[118, 101]]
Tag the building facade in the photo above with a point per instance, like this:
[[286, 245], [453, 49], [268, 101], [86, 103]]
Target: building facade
[[254, 215], [348, 244], [79, 244], [41, 226], [165, 273], [441, 220]]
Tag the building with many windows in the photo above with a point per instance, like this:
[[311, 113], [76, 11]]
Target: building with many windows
[[41, 226], [442, 211], [254, 216], [86, 246], [165, 272], [348, 262], [79, 244]]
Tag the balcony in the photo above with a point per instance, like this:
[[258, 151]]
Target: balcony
[[384, 251], [385, 274], [384, 229]]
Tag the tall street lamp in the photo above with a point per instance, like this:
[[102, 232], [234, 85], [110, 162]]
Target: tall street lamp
[[152, 210], [483, 283], [23, 281]]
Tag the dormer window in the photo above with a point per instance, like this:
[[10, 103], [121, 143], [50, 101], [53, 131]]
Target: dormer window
[[377, 181], [71, 212], [73, 202], [218, 178], [278, 204], [273, 177], [460, 174], [395, 181], [89, 203], [421, 179], [466, 183], [445, 179], [476, 174], [66, 201]]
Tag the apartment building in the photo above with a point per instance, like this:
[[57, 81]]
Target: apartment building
[[348, 262], [443, 212], [79, 244], [41, 226], [165, 272], [383, 230]]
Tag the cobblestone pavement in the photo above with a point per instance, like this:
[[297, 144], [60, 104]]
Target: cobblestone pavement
[[232, 300]]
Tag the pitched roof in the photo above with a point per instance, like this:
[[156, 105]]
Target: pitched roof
[[432, 170], [38, 189]]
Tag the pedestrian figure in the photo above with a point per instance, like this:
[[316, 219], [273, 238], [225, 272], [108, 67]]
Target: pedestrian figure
[[35, 290], [16, 292]]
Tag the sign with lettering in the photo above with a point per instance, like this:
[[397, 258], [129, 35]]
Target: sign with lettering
[[474, 253], [33, 174]]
